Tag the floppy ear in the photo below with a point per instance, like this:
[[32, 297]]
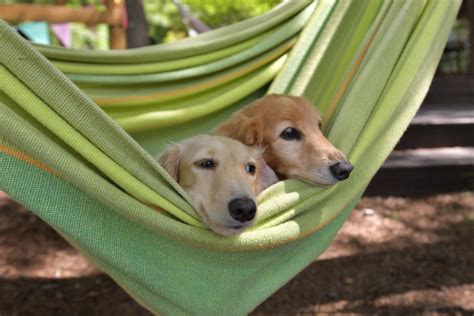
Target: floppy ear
[[246, 130], [265, 175], [170, 161]]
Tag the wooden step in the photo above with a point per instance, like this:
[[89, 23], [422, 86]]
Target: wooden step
[[446, 89], [445, 114], [440, 126], [425, 171]]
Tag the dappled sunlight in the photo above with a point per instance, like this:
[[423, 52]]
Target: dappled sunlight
[[392, 255], [396, 223]]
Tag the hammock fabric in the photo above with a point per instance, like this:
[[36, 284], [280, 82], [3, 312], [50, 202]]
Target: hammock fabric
[[87, 169]]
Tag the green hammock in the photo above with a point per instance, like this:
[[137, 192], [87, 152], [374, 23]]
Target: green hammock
[[88, 170]]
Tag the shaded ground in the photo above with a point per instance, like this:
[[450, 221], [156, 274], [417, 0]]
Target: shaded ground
[[394, 256]]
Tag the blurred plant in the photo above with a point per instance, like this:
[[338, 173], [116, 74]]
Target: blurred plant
[[164, 21], [165, 24], [217, 13], [457, 52], [94, 37]]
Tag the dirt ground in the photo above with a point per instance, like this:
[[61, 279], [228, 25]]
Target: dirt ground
[[394, 256]]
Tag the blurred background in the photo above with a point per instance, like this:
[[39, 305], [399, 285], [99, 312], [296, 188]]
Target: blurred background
[[170, 20], [164, 20]]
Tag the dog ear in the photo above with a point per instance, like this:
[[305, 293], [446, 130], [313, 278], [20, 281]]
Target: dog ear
[[240, 127], [265, 175], [169, 160]]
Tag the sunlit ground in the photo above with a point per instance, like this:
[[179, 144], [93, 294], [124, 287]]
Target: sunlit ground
[[393, 256]]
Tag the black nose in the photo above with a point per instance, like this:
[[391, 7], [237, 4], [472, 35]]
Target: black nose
[[341, 170], [242, 210]]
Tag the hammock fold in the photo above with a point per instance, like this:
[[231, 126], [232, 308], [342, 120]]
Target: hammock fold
[[79, 153]]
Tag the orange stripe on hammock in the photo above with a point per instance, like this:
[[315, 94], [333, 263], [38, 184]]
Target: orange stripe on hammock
[[202, 86], [24, 157]]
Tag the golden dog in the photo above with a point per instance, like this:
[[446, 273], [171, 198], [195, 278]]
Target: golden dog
[[288, 129], [222, 176]]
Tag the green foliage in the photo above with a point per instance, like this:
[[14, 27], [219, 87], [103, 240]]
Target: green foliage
[[84, 37], [456, 55], [217, 13], [84, 2], [165, 24], [164, 21]]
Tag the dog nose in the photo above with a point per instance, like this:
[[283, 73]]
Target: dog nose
[[341, 170], [242, 210]]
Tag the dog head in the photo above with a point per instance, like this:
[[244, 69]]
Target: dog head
[[222, 176], [289, 128]]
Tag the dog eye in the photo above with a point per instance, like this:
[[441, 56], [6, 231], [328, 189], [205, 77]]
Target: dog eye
[[207, 164], [250, 168], [290, 133], [320, 124]]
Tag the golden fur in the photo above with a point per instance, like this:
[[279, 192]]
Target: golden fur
[[212, 189], [261, 124]]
